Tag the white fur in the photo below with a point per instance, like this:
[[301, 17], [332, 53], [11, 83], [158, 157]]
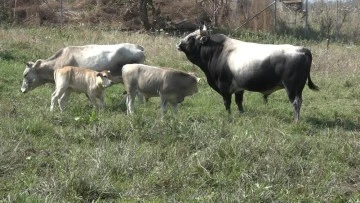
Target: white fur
[[245, 58]]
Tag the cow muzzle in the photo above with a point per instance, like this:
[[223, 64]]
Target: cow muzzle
[[23, 90], [178, 46], [24, 87]]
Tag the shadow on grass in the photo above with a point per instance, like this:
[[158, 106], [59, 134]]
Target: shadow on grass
[[345, 124], [90, 192]]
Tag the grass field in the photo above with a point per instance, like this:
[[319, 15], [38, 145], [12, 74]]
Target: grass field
[[203, 155]]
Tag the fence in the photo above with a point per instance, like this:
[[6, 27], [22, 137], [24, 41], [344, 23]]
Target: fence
[[325, 19]]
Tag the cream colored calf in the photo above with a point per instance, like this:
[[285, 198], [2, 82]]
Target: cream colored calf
[[70, 78]]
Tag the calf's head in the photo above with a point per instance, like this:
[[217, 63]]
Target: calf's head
[[103, 79], [31, 76], [192, 84]]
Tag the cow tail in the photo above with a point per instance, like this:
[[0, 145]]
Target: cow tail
[[311, 85]]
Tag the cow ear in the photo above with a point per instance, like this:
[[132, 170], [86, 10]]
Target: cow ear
[[29, 64], [37, 63], [204, 39]]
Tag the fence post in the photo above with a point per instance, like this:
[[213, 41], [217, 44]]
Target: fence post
[[61, 15], [275, 16], [306, 12]]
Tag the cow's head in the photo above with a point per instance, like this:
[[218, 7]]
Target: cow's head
[[191, 43], [103, 78], [31, 76]]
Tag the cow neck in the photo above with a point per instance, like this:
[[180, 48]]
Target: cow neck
[[46, 73], [210, 55]]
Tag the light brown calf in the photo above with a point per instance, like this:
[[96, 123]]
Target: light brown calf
[[172, 86], [70, 78]]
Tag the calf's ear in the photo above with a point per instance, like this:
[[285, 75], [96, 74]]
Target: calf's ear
[[99, 79], [29, 64]]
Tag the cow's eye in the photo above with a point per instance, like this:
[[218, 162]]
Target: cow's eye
[[105, 76]]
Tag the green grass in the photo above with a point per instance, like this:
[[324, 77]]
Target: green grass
[[203, 155]]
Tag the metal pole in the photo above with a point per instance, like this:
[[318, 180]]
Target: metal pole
[[275, 16], [247, 9], [306, 11], [14, 10], [3, 11], [61, 14], [337, 19]]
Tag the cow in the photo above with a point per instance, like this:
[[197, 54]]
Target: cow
[[172, 86], [232, 66], [71, 78], [95, 57]]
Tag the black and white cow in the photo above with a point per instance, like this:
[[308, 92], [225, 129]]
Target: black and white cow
[[232, 66]]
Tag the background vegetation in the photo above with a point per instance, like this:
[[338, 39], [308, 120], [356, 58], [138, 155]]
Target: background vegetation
[[337, 20], [203, 155]]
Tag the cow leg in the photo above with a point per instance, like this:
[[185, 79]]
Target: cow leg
[[295, 97], [63, 99], [101, 99], [176, 108], [297, 106], [92, 99], [265, 97], [239, 99], [55, 96], [227, 102], [163, 104], [140, 97], [130, 97]]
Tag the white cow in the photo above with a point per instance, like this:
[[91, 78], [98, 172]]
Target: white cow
[[95, 57], [170, 85], [70, 78]]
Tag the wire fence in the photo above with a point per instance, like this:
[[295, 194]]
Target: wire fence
[[337, 19]]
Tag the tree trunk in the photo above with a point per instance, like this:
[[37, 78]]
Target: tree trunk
[[144, 14]]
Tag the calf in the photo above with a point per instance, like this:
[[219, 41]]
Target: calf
[[79, 79], [172, 86]]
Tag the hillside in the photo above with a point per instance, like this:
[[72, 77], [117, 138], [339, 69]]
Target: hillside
[[162, 14]]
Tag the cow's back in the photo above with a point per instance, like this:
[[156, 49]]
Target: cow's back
[[99, 57]]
